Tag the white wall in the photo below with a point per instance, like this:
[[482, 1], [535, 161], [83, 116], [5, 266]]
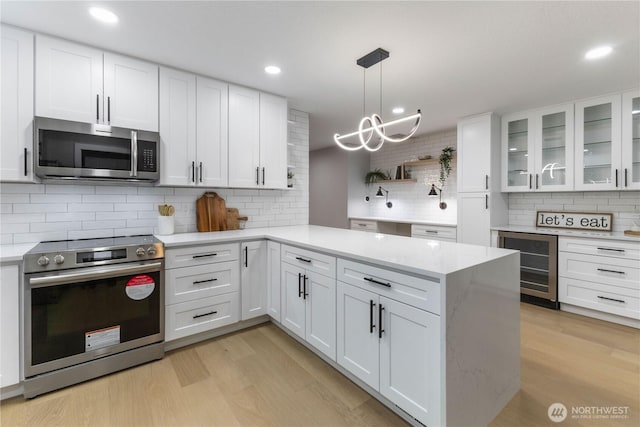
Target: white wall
[[38, 212]]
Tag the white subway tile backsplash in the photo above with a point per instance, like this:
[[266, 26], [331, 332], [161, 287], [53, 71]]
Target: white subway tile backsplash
[[69, 189], [19, 208], [104, 198], [97, 225], [56, 198], [40, 227], [90, 207]]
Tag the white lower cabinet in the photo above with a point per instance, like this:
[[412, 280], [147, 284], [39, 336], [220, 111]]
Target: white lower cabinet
[[308, 305], [9, 325], [273, 280], [253, 280], [434, 232]]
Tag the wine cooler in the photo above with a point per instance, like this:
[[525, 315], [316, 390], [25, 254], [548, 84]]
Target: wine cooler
[[538, 266]]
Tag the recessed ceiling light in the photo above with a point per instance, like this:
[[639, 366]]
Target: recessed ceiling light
[[398, 110], [103, 15], [272, 69], [598, 52]]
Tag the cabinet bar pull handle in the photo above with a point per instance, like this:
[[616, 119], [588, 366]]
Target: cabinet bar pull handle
[[205, 314], [611, 249], [372, 280], [197, 282], [611, 299], [299, 285], [299, 258], [193, 171], [97, 108], [486, 201], [360, 224], [530, 185], [616, 178], [258, 175], [371, 325], [626, 178], [486, 182], [380, 330], [109, 109], [263, 175], [537, 183], [604, 270], [246, 256], [25, 161], [431, 231], [200, 171], [203, 256], [305, 294]]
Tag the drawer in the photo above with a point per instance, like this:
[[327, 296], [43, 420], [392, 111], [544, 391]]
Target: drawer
[[596, 296], [600, 247], [199, 281], [437, 232], [422, 293], [203, 254], [309, 260], [192, 317], [599, 269], [363, 225]]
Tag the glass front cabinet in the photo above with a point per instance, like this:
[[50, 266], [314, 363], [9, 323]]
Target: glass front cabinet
[[537, 150], [599, 144], [631, 140]]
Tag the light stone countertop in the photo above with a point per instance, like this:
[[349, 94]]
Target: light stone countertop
[[14, 253], [405, 221], [615, 235], [417, 256]]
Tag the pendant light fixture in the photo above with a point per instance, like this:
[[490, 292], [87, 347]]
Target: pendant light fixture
[[371, 127]]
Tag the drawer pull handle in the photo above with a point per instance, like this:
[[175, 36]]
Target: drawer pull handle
[[431, 231], [362, 225], [611, 249], [611, 299], [205, 314], [197, 282], [372, 280], [203, 256], [299, 258], [604, 270]]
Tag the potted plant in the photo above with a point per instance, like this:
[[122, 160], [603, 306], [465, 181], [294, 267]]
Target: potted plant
[[375, 176], [445, 164]]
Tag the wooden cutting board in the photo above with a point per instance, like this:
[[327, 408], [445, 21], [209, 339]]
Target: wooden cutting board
[[211, 212], [234, 218]]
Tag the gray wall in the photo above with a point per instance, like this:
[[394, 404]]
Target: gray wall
[[328, 188]]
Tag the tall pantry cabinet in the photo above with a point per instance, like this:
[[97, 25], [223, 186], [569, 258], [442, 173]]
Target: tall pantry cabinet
[[481, 205]]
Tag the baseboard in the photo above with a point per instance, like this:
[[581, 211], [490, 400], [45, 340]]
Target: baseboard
[[626, 321]]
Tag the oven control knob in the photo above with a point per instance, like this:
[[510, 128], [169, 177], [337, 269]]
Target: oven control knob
[[43, 260], [58, 259], [151, 251], [141, 252]]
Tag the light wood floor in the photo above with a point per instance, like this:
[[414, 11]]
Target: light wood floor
[[260, 376]]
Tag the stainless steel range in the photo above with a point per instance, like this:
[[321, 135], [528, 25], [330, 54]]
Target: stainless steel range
[[91, 307]]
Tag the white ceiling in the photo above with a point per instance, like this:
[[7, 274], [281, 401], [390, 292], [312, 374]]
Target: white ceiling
[[451, 59]]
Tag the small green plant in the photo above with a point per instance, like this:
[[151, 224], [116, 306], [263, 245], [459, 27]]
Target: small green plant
[[445, 164], [375, 176]]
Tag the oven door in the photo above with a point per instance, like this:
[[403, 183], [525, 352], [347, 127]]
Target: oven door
[[83, 314]]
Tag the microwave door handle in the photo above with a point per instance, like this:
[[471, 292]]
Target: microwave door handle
[[134, 153]]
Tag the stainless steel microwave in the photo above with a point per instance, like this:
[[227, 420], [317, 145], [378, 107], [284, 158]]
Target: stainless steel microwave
[[73, 150]]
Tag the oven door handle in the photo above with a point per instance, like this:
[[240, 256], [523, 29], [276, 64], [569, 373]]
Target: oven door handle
[[94, 274]]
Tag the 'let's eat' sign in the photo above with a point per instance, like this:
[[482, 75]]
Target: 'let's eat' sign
[[575, 220]]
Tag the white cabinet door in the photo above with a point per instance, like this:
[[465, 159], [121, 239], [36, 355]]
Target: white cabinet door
[[131, 93], [273, 141], [273, 280], [631, 140], [244, 137], [16, 123], [292, 303], [212, 116], [177, 127], [253, 280], [517, 152], [357, 334], [474, 153], [474, 219], [554, 154], [68, 81], [321, 312], [598, 125], [9, 325], [410, 360]]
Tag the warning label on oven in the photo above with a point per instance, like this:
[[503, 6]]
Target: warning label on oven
[[140, 286], [101, 338]]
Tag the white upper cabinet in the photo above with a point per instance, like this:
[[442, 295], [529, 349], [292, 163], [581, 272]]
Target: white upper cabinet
[[257, 139], [631, 140], [537, 150], [16, 123], [193, 130], [598, 144], [474, 153], [80, 83]]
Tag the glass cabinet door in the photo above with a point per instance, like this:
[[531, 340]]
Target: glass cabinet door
[[516, 153], [631, 140], [598, 155], [554, 149]]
